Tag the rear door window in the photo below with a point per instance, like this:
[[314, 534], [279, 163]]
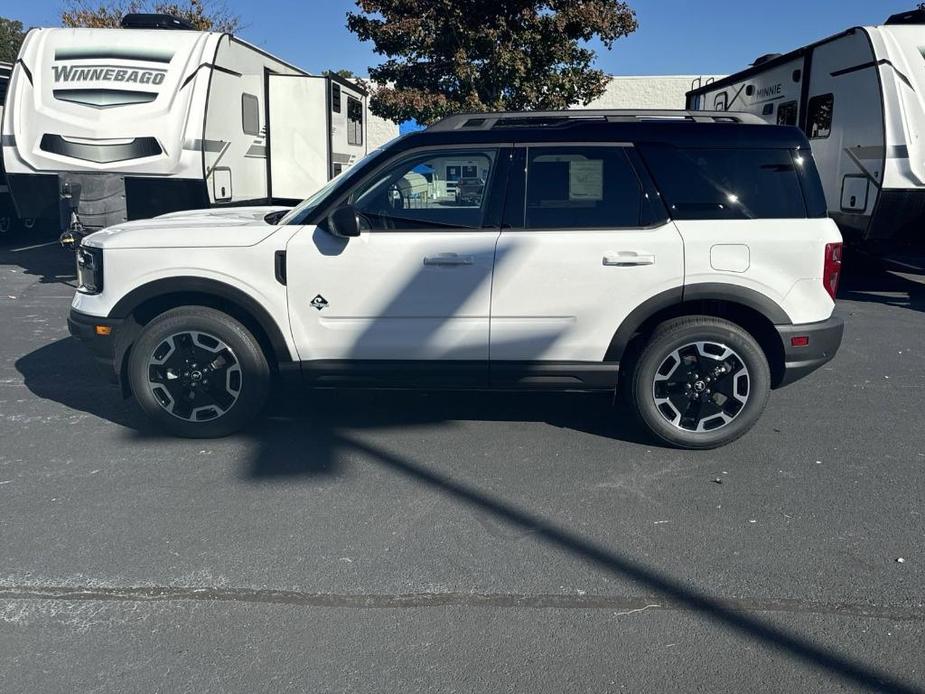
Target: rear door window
[[576, 187], [727, 183]]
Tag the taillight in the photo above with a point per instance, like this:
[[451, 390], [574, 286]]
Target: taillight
[[831, 269]]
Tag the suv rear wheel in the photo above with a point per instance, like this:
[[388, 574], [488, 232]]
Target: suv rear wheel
[[198, 372], [700, 382]]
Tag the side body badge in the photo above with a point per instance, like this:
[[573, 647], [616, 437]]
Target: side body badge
[[319, 302]]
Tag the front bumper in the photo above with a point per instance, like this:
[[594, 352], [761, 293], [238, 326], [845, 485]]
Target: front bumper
[[823, 340], [103, 347]]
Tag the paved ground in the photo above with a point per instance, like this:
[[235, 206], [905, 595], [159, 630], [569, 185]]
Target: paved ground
[[409, 542]]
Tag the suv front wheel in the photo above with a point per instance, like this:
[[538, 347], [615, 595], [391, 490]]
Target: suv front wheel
[[198, 372], [700, 382]]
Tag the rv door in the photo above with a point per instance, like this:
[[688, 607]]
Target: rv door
[[298, 127]]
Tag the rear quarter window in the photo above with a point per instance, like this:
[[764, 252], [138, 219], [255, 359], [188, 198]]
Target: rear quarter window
[[727, 183]]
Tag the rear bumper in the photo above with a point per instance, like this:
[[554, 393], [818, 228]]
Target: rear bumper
[[102, 347], [824, 339]]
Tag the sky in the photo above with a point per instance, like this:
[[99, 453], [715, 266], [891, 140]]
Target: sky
[[674, 37]]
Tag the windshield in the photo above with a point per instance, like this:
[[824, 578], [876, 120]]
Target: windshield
[[304, 209]]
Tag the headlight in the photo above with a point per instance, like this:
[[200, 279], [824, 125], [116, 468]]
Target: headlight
[[89, 270]]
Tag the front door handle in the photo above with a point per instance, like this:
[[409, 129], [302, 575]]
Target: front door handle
[[628, 259], [449, 259]]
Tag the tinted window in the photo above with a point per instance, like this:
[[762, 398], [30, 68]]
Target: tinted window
[[250, 114], [354, 121], [727, 183], [787, 113], [423, 192], [821, 109], [813, 194], [335, 98], [581, 188]]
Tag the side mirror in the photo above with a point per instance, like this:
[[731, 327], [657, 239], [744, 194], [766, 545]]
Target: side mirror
[[344, 222]]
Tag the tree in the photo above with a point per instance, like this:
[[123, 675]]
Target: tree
[[448, 56], [342, 73], [11, 38], [204, 15]]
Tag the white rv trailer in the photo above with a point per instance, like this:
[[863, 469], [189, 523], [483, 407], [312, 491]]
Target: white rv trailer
[[860, 98], [154, 117]]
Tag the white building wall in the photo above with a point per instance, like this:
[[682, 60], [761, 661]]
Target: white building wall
[[661, 92], [379, 131]]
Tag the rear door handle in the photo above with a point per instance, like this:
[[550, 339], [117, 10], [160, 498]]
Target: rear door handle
[[450, 259], [628, 259]]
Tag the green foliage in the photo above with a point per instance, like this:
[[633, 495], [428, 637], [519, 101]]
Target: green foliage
[[449, 56], [11, 37]]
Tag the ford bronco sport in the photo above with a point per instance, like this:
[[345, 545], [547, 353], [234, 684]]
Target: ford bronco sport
[[682, 257]]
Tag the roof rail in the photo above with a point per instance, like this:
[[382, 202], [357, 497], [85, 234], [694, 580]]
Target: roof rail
[[489, 121]]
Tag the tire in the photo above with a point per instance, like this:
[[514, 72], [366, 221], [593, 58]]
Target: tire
[[699, 382], [176, 384]]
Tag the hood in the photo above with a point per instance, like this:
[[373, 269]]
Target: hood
[[227, 227]]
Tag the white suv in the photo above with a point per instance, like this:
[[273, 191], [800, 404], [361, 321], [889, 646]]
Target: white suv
[[684, 257]]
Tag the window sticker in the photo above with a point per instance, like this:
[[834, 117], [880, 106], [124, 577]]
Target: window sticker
[[586, 180]]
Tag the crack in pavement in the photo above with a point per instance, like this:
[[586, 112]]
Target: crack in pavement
[[449, 599]]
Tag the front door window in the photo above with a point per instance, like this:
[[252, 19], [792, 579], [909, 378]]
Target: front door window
[[424, 192]]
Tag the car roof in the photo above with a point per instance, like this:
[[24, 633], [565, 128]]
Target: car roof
[[679, 128]]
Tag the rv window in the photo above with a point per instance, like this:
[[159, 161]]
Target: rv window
[[354, 121], [787, 113], [250, 114], [581, 188], [821, 109], [437, 190], [727, 183], [335, 97]]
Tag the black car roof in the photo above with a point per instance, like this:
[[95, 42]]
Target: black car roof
[[681, 128]]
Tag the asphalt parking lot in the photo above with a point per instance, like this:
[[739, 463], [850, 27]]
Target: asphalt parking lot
[[405, 542]]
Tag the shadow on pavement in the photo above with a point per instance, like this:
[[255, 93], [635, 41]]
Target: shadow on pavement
[[311, 447], [902, 289], [40, 255], [313, 435], [64, 372]]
